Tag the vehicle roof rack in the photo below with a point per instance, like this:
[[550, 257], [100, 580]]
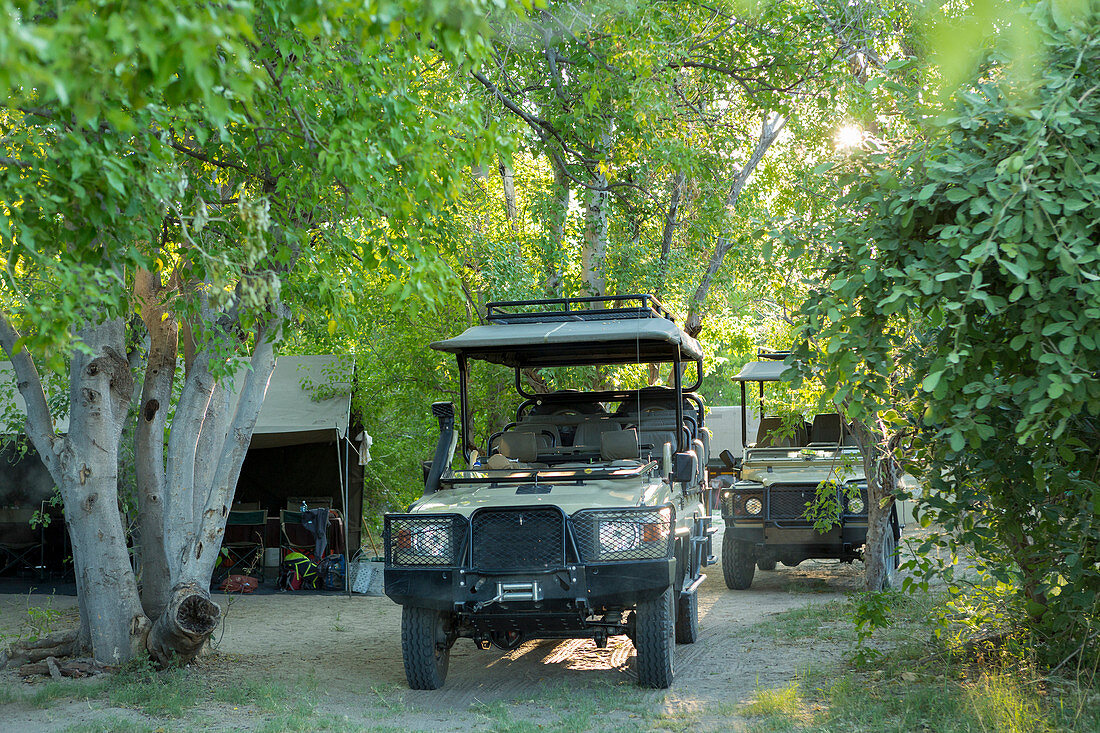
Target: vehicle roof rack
[[599, 308], [774, 355]]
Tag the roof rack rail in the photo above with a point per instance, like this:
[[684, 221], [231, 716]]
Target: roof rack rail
[[598, 308], [776, 355]]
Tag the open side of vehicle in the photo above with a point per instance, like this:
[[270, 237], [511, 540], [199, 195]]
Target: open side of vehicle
[[785, 472], [585, 517]]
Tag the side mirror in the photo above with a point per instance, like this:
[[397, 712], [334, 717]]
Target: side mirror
[[730, 460], [685, 466]]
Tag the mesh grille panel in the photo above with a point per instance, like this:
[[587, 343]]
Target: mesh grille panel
[[603, 536], [518, 539], [424, 539], [790, 502]]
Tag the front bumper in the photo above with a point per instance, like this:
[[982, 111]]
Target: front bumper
[[570, 590]]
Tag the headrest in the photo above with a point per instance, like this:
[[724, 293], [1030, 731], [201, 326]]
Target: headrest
[[519, 446], [618, 444]]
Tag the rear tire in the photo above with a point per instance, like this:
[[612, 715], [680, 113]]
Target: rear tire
[[425, 647], [738, 564], [687, 617], [654, 640], [766, 565]]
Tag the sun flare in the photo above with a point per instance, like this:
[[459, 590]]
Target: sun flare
[[849, 136]]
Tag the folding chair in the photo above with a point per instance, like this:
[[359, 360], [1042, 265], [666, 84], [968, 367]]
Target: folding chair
[[20, 543], [293, 536], [244, 540]]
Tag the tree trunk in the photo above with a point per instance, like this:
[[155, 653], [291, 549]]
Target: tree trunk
[[100, 393], [185, 625], [769, 131], [676, 187], [156, 396], [882, 471], [508, 180], [595, 238]]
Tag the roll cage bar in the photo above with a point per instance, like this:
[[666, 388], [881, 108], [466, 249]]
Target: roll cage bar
[[595, 310]]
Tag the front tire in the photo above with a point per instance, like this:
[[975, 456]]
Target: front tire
[[654, 640], [738, 563], [425, 647], [687, 617]]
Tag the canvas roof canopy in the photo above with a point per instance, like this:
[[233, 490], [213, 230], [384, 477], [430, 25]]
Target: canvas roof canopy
[[308, 400], [761, 371], [571, 343]]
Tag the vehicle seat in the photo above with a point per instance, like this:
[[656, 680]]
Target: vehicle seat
[[591, 431], [826, 429], [546, 434], [768, 435], [619, 444], [519, 446]]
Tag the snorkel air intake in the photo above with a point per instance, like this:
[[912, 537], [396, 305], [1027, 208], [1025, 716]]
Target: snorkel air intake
[[445, 448]]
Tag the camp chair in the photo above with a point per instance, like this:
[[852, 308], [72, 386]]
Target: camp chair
[[20, 543], [293, 536], [243, 541], [245, 506]]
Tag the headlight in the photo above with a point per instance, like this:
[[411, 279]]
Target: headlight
[[746, 505], [629, 534], [421, 540], [855, 505]]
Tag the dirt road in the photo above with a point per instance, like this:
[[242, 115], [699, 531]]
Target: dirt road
[[349, 651]]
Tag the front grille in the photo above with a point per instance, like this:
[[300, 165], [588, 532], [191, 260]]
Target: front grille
[[518, 539], [423, 539], [789, 503], [635, 534]]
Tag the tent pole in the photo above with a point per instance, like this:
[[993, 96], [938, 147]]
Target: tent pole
[[342, 470], [347, 520]]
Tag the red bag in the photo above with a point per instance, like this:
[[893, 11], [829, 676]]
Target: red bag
[[239, 584]]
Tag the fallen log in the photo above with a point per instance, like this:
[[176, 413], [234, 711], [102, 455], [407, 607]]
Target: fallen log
[[59, 644]]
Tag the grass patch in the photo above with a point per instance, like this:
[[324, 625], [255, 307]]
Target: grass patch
[[113, 725], [780, 701], [818, 620], [157, 693]]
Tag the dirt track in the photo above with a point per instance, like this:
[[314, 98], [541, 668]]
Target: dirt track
[[351, 648]]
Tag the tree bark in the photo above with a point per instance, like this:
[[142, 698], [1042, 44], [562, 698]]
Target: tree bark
[[882, 471], [595, 235], [100, 392], [156, 396], [769, 131], [676, 186]]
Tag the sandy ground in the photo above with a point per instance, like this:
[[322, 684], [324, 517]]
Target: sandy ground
[[351, 648]]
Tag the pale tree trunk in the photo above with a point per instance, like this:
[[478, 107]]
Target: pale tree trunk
[[595, 233], [881, 468], [769, 131], [675, 190], [84, 464], [156, 396], [202, 472], [508, 180]]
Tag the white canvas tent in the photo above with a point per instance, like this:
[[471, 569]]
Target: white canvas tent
[[300, 446]]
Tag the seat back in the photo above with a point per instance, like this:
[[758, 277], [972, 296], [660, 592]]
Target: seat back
[[591, 431], [826, 429], [768, 435], [619, 444], [546, 434], [519, 446]]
